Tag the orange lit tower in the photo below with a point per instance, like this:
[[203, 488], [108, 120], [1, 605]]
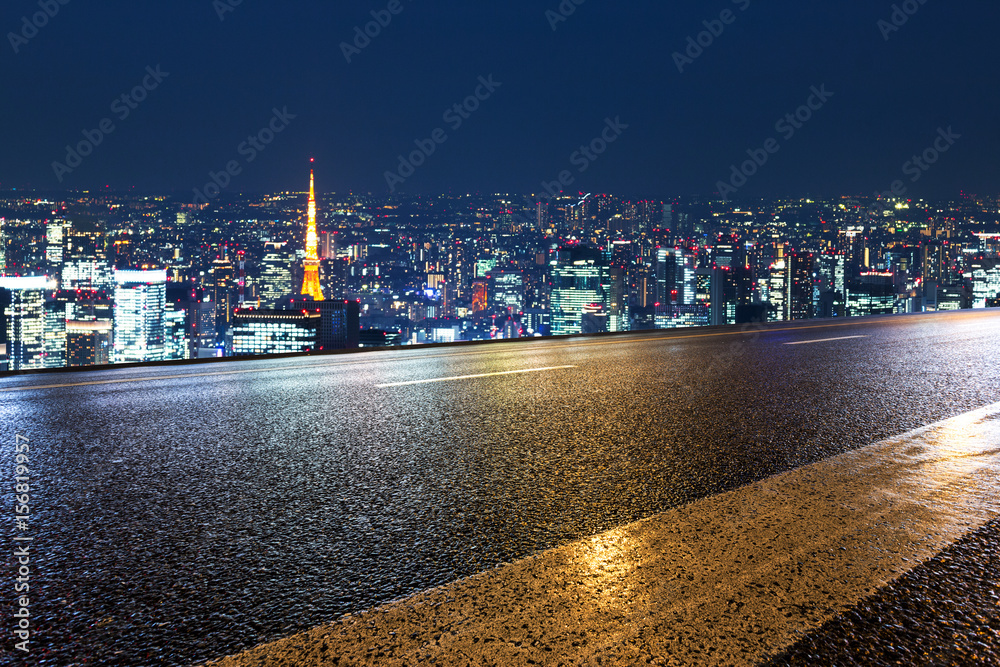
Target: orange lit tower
[[310, 284]]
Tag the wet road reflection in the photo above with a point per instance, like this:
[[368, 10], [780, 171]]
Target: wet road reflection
[[185, 518], [727, 580]]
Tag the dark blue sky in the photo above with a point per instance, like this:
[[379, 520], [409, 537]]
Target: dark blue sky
[[890, 97]]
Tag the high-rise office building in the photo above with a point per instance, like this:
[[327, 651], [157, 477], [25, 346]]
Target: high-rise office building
[[269, 331], [339, 325], [953, 297], [873, 293], [830, 272], [89, 327], [54, 347], [777, 292], [985, 275], [223, 290], [88, 343], [177, 344], [682, 317], [241, 279], [618, 298], [480, 295], [55, 236], [934, 260], [799, 303], [580, 278], [275, 275], [649, 215], [713, 287], [508, 290], [140, 305], [23, 303], [327, 245], [84, 265], [676, 278], [201, 324]]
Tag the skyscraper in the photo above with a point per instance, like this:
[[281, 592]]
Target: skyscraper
[[508, 290], [714, 286], [327, 246], [480, 295], [777, 291], [201, 323], [140, 303], [275, 275], [579, 282], [54, 347], [676, 279], [310, 283], [55, 234], [618, 310], [799, 303], [23, 301], [84, 265], [177, 343], [223, 287]]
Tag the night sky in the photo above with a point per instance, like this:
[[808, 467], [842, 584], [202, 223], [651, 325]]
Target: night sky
[[557, 88]]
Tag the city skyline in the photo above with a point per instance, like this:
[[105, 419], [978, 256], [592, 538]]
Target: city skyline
[[133, 279]]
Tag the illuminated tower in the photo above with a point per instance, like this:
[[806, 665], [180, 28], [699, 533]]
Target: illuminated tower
[[310, 284]]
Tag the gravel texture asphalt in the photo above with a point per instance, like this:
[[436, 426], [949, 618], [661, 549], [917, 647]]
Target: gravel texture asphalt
[[181, 519], [946, 611]]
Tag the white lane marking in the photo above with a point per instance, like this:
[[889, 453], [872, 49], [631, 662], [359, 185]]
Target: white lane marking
[[825, 340], [737, 576], [470, 377]]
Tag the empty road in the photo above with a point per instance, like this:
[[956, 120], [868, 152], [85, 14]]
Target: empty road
[[180, 514]]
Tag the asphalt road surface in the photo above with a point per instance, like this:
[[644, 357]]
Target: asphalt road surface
[[179, 514]]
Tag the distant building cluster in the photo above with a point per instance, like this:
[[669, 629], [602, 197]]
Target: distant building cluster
[[104, 279]]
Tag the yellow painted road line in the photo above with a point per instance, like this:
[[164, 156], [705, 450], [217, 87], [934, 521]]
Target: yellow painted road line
[[731, 579]]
